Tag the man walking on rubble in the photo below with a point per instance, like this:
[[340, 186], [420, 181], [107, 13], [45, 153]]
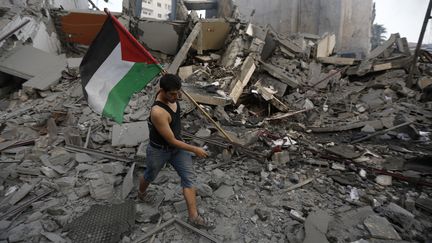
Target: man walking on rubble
[[166, 145]]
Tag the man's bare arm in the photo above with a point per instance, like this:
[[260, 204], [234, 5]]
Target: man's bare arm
[[160, 120]]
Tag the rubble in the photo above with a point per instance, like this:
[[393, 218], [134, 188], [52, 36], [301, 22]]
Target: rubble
[[320, 146]]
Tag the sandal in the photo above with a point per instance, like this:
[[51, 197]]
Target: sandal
[[200, 222]]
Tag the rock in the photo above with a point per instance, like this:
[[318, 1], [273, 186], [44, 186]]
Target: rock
[[368, 129], [49, 225], [294, 178], [181, 206], [338, 166], [398, 215], [100, 189], [384, 180], [66, 182], [224, 192], [4, 224], [410, 204], [344, 225], [146, 213], [316, 225], [380, 228], [83, 158], [281, 158], [204, 190], [218, 177], [262, 214]]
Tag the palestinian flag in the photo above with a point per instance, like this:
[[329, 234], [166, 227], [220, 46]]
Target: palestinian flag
[[115, 66]]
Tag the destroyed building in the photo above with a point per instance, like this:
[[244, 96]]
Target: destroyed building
[[316, 137]]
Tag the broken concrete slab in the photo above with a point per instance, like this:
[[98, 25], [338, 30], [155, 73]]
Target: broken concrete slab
[[337, 60], [398, 215], [20, 62], [380, 228], [101, 189], [127, 185], [182, 53], [326, 45], [232, 52], [242, 80], [74, 62], [129, 134], [380, 49], [203, 97], [21, 193], [343, 226], [316, 225], [185, 72], [280, 74], [224, 192]]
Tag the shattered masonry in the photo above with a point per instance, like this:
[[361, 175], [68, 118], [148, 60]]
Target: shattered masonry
[[330, 144]]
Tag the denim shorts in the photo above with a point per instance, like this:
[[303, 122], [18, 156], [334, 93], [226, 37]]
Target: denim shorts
[[180, 159]]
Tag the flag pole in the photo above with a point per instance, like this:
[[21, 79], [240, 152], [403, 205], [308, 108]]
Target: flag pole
[[163, 72]]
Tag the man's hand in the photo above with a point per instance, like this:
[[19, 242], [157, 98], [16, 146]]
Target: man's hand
[[200, 152]]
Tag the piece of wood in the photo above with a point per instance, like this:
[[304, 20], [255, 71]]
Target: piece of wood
[[181, 55], [337, 60], [277, 117], [381, 132]]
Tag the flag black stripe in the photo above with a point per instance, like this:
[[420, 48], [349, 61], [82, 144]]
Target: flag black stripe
[[101, 47]]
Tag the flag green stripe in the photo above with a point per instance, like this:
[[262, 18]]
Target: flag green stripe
[[136, 79]]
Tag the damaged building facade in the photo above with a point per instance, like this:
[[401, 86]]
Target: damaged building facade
[[313, 137]]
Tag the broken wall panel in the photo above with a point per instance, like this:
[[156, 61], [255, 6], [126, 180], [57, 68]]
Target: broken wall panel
[[75, 27], [350, 20], [213, 35], [161, 35]]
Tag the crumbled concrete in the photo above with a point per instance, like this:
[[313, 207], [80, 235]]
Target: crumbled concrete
[[380, 228]]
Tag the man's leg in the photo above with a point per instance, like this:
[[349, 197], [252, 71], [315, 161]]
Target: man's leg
[[190, 197], [143, 185], [156, 159], [182, 163]]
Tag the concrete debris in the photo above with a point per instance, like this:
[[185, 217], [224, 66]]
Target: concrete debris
[[130, 134], [332, 142], [380, 228]]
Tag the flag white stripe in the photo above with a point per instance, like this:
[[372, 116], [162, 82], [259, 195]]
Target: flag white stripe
[[112, 70]]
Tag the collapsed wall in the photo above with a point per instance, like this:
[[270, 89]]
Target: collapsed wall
[[350, 20]]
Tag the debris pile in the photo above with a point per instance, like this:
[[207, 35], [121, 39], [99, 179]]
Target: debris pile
[[326, 147]]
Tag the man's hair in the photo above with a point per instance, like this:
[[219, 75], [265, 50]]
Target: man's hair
[[170, 82]]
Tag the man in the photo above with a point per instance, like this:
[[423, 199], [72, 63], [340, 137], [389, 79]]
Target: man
[[166, 145]]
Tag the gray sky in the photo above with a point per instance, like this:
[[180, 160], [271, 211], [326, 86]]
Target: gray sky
[[403, 16]]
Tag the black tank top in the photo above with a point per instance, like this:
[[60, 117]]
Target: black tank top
[[175, 124]]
